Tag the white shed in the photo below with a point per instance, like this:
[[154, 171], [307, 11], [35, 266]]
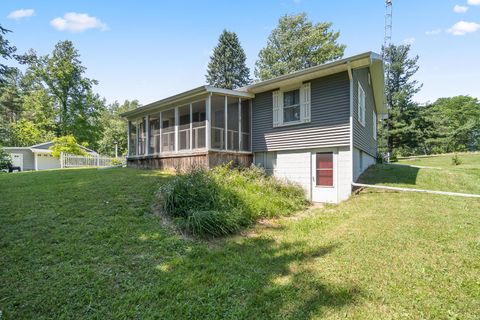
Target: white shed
[[36, 157]]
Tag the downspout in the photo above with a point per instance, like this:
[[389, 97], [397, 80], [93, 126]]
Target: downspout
[[350, 77]]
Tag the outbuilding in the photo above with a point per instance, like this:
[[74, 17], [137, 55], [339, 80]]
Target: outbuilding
[[36, 157]]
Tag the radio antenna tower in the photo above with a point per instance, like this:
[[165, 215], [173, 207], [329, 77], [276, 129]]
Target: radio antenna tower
[[387, 39]]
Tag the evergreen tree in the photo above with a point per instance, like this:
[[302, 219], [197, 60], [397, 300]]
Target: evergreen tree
[[400, 88], [296, 44], [227, 67]]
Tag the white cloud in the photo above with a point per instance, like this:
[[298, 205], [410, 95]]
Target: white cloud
[[463, 27], [433, 32], [460, 9], [21, 13], [77, 22], [409, 40], [474, 2]]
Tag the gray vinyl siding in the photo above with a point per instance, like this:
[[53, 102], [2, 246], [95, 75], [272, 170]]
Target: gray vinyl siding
[[363, 136], [28, 160], [330, 118]]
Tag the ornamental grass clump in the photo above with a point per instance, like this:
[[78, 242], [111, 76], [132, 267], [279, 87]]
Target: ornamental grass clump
[[222, 201]]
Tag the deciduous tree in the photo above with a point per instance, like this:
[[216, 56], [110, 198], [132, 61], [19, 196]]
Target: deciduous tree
[[295, 44]]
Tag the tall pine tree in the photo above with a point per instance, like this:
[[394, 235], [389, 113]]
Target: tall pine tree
[[227, 68], [400, 88]]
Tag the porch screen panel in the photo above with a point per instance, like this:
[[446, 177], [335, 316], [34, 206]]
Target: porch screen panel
[[184, 127], [198, 124], [133, 139], [245, 125], [168, 130], [154, 134], [142, 136], [218, 122], [232, 124]]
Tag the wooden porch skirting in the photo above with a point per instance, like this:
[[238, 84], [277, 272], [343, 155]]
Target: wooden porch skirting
[[184, 162]]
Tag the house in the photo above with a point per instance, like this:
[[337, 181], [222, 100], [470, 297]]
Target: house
[[316, 127], [36, 157]]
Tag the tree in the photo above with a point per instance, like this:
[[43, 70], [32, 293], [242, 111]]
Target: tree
[[5, 160], [227, 67], [296, 44], [61, 74], [400, 89], [455, 124], [66, 144], [115, 128], [6, 52]]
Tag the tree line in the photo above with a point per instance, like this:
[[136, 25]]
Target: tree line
[[52, 97]]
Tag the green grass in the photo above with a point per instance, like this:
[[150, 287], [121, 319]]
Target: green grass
[[83, 244], [443, 176], [469, 160]]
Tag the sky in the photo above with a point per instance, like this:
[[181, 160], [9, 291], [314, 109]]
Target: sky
[[149, 50]]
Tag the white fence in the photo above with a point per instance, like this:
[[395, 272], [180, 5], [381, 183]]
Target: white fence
[[74, 161]]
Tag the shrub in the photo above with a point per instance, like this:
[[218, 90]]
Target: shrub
[[456, 161], [5, 160], [116, 162], [221, 201]]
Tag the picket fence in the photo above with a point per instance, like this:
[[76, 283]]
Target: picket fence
[[75, 161]]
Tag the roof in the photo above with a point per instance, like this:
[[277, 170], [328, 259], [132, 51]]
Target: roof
[[199, 91], [44, 147], [367, 59]]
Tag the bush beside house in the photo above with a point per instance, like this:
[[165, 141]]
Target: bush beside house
[[221, 201]]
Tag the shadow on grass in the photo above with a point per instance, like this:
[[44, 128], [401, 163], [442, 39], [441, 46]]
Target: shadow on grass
[[389, 174], [256, 278]]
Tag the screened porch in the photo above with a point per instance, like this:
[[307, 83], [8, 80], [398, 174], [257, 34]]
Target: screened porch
[[213, 122]]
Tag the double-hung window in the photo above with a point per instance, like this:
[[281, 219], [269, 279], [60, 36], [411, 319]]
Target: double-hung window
[[291, 106]]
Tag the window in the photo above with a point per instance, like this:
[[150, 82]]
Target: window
[[324, 169], [154, 134], [374, 117], [218, 122], [198, 125], [133, 138], [184, 127], [245, 124], [361, 105], [232, 124], [291, 106], [142, 136], [168, 130]]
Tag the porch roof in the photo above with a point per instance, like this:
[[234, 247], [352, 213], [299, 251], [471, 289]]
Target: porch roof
[[190, 94]]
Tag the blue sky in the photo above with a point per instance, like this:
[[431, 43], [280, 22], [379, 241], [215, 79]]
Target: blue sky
[[152, 49]]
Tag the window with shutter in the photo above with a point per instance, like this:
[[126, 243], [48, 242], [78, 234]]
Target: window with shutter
[[324, 169], [292, 106]]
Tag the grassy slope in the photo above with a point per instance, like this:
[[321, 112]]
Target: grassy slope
[[444, 176], [79, 244]]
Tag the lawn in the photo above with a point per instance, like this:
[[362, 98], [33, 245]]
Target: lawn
[[438, 174], [85, 244]]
